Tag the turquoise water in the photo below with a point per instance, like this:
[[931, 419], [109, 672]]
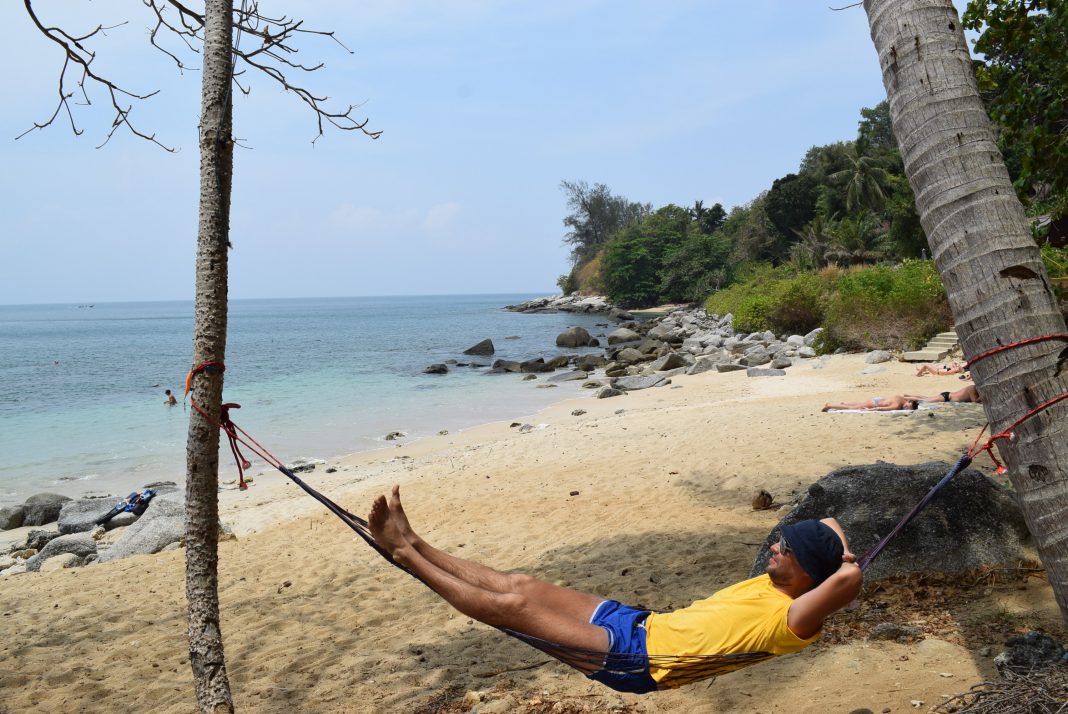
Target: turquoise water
[[81, 387]]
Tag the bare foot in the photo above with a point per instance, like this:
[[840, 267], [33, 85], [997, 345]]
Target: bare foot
[[400, 518], [384, 528], [826, 408]]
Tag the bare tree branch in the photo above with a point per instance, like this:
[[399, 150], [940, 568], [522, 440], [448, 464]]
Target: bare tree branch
[[275, 56], [77, 54]]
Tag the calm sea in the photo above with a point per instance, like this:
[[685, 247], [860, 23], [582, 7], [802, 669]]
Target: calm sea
[[81, 387]]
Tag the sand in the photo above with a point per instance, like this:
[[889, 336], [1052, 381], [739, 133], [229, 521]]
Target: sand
[[645, 498]]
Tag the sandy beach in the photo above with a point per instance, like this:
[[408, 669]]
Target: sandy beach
[[645, 498]]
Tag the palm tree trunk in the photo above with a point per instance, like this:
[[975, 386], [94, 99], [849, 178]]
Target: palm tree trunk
[[209, 345], [981, 242]]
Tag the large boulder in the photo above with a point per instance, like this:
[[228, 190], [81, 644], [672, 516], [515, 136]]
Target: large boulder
[[162, 524], [575, 337], [629, 355], [971, 522], [80, 544], [11, 517], [623, 334], [877, 357], [482, 349], [80, 516], [631, 384], [672, 360], [590, 362], [436, 368], [535, 366], [507, 365], [42, 508]]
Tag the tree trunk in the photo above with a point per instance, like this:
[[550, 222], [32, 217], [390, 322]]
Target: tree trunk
[[980, 238], [209, 346]]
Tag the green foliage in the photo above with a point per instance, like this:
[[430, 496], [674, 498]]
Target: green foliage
[[1056, 260], [887, 306], [790, 204], [634, 257], [696, 268], [778, 299], [567, 283], [596, 214], [1024, 80], [875, 133]]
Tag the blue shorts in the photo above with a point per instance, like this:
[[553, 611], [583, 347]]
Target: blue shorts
[[626, 666]]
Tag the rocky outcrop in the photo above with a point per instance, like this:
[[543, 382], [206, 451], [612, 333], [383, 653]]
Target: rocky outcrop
[[80, 516], [162, 524], [970, 523], [42, 508], [482, 349], [11, 517], [80, 544], [576, 336], [572, 303]]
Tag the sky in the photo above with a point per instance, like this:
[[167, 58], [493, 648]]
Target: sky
[[485, 106]]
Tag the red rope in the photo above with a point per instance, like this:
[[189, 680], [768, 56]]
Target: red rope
[[1008, 433], [1021, 343]]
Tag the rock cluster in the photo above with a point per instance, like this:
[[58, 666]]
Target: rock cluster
[[640, 355], [78, 540]]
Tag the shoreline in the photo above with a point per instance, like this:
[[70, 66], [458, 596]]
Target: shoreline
[[651, 505]]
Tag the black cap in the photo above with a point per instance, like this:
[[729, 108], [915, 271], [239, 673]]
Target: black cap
[[817, 547]]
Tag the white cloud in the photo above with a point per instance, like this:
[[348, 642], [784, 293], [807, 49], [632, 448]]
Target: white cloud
[[441, 216], [359, 218]]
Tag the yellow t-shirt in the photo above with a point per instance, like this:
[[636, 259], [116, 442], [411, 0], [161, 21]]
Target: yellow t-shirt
[[743, 624]]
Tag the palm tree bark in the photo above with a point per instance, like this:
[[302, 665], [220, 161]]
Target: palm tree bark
[[980, 238], [209, 346]]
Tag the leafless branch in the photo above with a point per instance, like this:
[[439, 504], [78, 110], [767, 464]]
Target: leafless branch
[[76, 54], [844, 7], [275, 55]]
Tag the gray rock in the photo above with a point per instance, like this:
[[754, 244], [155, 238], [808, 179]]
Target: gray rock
[[629, 355], [38, 539], [810, 338], [558, 361], [1028, 653], [764, 372], [507, 365], [59, 562], [971, 522], [663, 333], [534, 366], [895, 633], [527, 377], [729, 367], [877, 357], [436, 368], [781, 363], [569, 376], [795, 340], [806, 352], [11, 517], [590, 362], [482, 349], [606, 392], [575, 337], [80, 516], [631, 384], [672, 360], [704, 364], [755, 358], [80, 544], [162, 524], [42, 508], [622, 335]]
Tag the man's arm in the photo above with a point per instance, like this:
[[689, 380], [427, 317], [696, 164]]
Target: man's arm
[[808, 612]]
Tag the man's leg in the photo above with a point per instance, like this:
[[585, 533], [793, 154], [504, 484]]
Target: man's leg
[[564, 600], [563, 618]]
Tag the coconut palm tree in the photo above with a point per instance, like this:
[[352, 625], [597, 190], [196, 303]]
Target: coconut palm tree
[[865, 182], [981, 241]]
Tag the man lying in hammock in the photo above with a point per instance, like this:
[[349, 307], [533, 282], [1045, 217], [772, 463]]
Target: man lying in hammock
[[811, 574]]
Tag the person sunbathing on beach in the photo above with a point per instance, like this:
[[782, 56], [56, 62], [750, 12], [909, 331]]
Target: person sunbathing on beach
[[964, 394], [810, 575], [940, 369], [877, 404]]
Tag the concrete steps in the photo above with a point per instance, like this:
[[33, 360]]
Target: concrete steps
[[938, 348]]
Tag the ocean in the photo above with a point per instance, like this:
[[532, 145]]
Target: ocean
[[82, 386]]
